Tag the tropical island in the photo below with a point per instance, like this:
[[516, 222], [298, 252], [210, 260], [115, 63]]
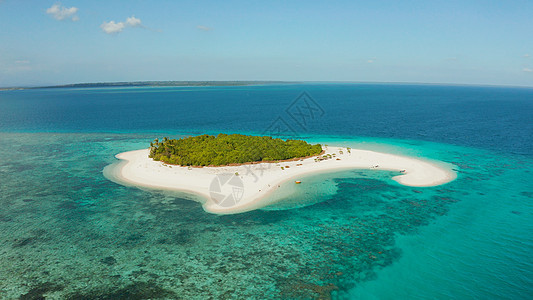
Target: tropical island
[[237, 173], [224, 149]]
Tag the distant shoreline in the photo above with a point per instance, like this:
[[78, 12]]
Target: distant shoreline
[[245, 83], [152, 84]]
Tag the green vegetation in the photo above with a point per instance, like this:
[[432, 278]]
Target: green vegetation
[[224, 149]]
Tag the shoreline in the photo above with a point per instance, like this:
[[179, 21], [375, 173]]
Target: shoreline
[[235, 189]]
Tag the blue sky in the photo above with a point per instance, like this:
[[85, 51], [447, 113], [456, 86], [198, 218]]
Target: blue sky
[[465, 42]]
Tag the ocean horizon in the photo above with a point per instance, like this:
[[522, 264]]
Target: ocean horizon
[[67, 232]]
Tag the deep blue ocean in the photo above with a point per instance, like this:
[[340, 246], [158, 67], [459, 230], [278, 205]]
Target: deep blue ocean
[[66, 232]]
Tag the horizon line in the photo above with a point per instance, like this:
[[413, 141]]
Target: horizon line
[[183, 83]]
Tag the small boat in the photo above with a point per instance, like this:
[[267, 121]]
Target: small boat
[[298, 182]]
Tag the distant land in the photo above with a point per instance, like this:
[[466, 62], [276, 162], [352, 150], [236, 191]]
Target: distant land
[[235, 83], [152, 83]]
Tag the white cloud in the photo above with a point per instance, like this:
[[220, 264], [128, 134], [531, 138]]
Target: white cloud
[[113, 27], [133, 22], [527, 55], [370, 61], [528, 70], [22, 62], [204, 28], [59, 12]]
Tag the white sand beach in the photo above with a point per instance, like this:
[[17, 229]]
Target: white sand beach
[[235, 189]]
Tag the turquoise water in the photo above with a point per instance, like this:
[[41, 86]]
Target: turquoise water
[[68, 232]]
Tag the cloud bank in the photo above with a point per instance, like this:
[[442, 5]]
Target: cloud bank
[[59, 12], [113, 27]]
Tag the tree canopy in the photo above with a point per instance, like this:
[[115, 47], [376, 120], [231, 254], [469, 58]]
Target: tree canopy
[[224, 149]]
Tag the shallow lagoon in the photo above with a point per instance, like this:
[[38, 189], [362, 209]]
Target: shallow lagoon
[[76, 234]]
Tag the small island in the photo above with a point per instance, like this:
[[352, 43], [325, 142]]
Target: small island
[[237, 173], [233, 149]]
